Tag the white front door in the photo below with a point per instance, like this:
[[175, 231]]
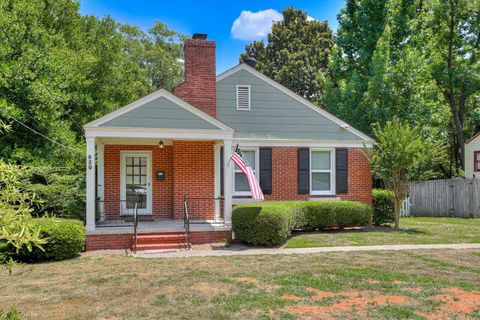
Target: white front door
[[136, 182]]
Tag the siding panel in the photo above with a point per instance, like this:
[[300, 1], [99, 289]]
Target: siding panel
[[160, 113], [273, 114]]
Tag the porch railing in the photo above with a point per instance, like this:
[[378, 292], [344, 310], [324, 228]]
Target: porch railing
[[135, 225], [119, 209], [198, 210], [186, 221], [117, 212]]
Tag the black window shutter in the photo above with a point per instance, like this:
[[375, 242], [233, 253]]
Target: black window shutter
[[221, 170], [341, 174], [303, 171], [266, 170]]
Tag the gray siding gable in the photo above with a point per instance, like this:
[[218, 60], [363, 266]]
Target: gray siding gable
[[159, 113], [273, 114]]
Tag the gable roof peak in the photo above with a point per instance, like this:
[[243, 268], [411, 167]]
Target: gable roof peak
[[342, 124]]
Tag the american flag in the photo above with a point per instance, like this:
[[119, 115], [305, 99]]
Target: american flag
[[239, 158]]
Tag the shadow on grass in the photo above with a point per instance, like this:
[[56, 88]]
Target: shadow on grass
[[382, 229]]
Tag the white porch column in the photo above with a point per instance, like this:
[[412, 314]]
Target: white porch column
[[101, 175], [227, 181], [216, 155], [90, 221]]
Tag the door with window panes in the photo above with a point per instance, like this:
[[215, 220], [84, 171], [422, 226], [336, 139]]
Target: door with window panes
[[136, 185]]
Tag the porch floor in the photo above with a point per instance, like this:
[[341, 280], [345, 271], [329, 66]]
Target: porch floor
[[163, 225]]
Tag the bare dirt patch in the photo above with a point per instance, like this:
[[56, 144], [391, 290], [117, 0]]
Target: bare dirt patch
[[455, 302], [356, 301]]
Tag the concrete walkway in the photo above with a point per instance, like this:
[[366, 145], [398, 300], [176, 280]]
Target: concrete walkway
[[245, 251]]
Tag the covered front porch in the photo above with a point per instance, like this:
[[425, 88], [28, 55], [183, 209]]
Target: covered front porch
[[158, 157], [158, 179]]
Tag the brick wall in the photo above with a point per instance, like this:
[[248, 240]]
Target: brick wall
[[125, 241], [285, 177], [189, 166], [193, 171], [199, 87], [162, 159]]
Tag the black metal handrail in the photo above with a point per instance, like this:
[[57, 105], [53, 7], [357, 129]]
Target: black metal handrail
[[186, 221], [201, 207], [122, 208], [135, 225]]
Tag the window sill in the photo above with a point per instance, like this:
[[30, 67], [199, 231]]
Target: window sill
[[324, 199], [322, 193], [243, 200]]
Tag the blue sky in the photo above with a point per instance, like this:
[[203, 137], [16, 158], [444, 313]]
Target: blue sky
[[253, 18]]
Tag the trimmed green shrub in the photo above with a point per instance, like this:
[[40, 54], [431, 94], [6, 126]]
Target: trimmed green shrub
[[65, 239], [263, 223], [271, 223], [383, 207]]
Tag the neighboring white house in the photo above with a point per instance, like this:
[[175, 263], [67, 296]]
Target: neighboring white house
[[472, 157]]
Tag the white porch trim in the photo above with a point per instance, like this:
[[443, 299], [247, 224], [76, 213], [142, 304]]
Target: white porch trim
[[90, 168], [227, 184], [216, 170], [155, 95], [181, 134]]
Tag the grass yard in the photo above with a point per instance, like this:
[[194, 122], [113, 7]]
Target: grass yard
[[418, 231], [435, 284]]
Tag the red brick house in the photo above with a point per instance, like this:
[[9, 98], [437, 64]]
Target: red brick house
[[168, 152]]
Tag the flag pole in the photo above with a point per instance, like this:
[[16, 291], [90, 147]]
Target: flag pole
[[229, 160]]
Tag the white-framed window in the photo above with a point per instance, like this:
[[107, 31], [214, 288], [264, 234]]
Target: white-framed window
[[243, 97], [322, 171], [240, 182]]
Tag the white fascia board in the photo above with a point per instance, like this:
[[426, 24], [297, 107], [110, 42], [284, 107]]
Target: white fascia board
[[295, 96], [303, 143], [194, 134], [158, 94]]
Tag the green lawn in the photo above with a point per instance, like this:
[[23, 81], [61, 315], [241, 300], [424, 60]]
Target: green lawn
[[434, 284], [418, 231]]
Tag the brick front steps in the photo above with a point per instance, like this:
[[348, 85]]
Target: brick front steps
[[161, 241], [152, 239]]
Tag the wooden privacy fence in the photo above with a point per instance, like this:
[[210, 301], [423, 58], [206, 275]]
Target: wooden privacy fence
[[446, 198]]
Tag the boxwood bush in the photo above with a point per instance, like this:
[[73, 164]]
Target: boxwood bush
[[270, 223], [383, 207], [66, 238]]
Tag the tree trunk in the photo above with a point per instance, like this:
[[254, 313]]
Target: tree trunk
[[398, 207]]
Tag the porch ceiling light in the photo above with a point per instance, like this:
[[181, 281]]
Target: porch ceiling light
[[160, 144]]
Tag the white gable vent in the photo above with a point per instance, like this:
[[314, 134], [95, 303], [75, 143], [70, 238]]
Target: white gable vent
[[243, 97]]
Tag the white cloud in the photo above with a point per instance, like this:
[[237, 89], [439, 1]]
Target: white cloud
[[254, 25], [310, 18]]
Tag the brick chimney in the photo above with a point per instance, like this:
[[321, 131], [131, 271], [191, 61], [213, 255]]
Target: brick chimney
[[199, 87]]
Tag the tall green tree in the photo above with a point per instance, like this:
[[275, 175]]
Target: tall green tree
[[296, 53], [402, 156], [60, 69], [412, 59], [452, 28]]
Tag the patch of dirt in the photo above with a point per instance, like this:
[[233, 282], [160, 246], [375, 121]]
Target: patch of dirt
[[349, 301], [249, 280], [398, 282], [373, 281], [455, 302]]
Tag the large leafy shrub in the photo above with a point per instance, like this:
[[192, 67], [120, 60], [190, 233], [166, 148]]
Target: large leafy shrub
[[270, 223], [383, 207], [263, 223], [65, 239]]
